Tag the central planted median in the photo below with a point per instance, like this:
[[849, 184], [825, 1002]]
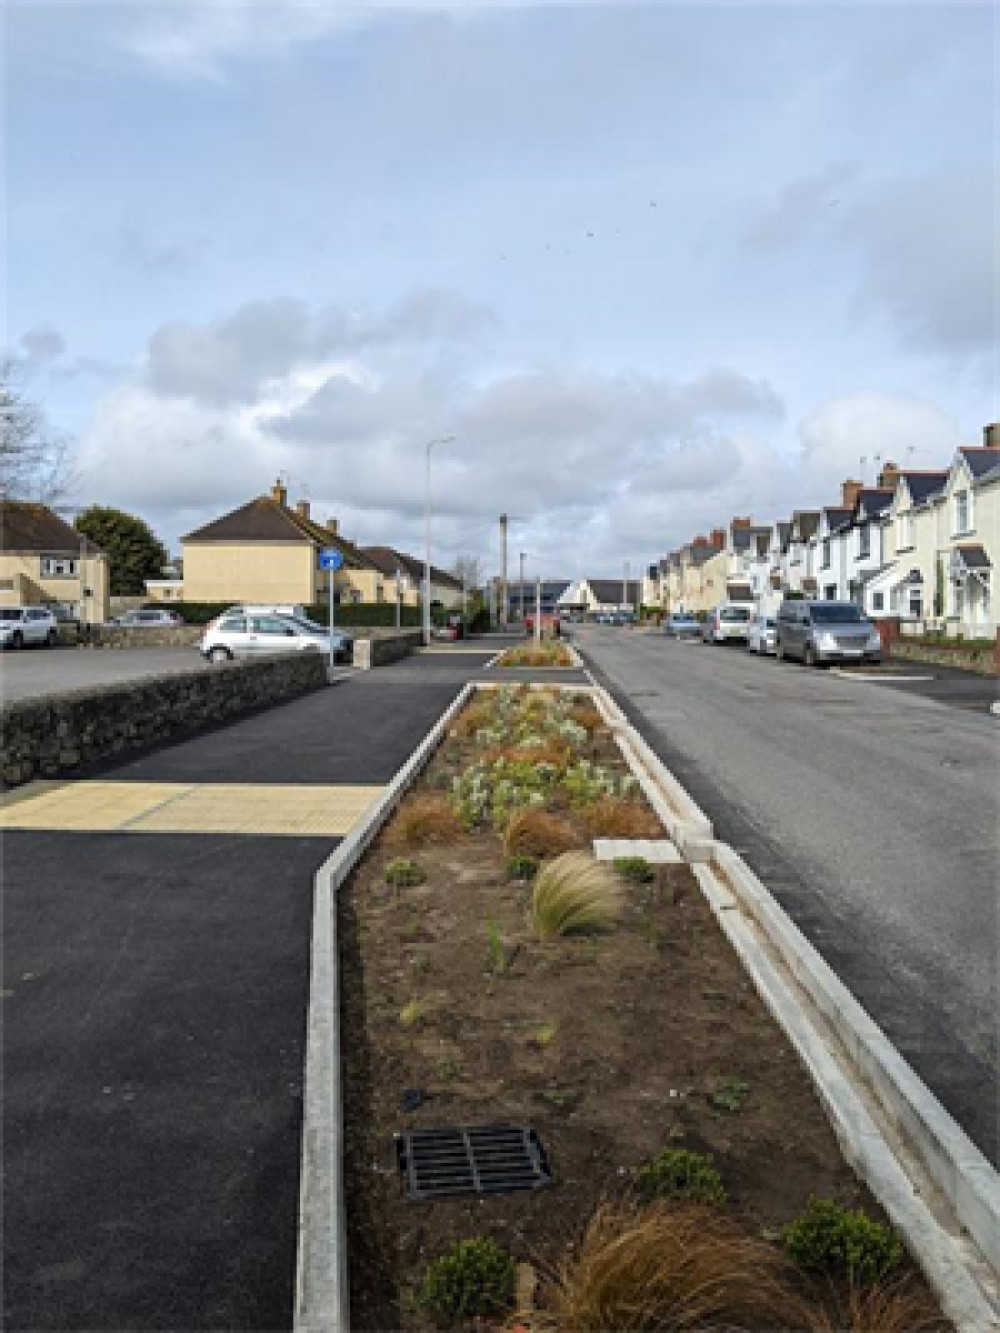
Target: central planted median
[[566, 1105]]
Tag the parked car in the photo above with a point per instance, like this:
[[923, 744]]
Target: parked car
[[682, 625], [147, 619], [727, 623], [236, 634], [21, 625], [818, 632], [550, 624], [762, 636]]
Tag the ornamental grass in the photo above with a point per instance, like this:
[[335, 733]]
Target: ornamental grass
[[574, 895]]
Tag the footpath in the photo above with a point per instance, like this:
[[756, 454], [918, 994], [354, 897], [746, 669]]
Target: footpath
[[156, 960]]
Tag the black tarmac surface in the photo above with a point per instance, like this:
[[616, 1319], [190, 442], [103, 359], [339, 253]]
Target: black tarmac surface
[[155, 1004]]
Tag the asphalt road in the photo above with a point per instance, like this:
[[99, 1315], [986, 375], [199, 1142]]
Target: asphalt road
[[37, 671], [872, 815], [155, 992]]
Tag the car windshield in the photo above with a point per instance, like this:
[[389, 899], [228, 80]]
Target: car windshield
[[10, 613], [734, 613], [836, 615], [685, 620], [310, 626]]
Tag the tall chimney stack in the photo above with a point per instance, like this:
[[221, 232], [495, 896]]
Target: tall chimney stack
[[279, 493], [991, 435], [717, 538], [889, 475], [333, 526], [302, 508], [849, 492]]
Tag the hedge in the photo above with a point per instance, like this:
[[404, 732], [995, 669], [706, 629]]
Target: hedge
[[346, 613]]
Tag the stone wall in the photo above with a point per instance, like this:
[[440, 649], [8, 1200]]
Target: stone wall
[[983, 661], [126, 636], [60, 733], [378, 651]]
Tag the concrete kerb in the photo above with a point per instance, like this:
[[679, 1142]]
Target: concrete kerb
[[939, 1190], [321, 1283]]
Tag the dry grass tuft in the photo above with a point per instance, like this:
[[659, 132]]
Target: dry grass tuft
[[586, 715], [477, 715], [574, 895], [615, 818], [423, 820], [535, 832], [554, 751], [671, 1270], [549, 653], [898, 1305]]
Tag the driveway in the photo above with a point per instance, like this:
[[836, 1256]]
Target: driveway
[[872, 815], [36, 671], [156, 982]]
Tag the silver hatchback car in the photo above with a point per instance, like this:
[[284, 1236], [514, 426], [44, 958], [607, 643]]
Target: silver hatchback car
[[817, 632], [237, 634]]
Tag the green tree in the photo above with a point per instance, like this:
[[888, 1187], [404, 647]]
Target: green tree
[[134, 552]]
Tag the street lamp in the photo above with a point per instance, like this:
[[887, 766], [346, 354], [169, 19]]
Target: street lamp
[[444, 439], [520, 584]]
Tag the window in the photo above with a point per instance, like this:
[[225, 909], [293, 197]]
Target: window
[[904, 539], [830, 592], [234, 625], [915, 602], [963, 517], [58, 566], [958, 599], [270, 625], [878, 601], [826, 552], [864, 541]]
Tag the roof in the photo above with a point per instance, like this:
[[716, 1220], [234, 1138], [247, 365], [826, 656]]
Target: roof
[[266, 520], [741, 538], [609, 591], [972, 557], [876, 500], [550, 587], [33, 527], [922, 485], [980, 460], [836, 516], [806, 521], [387, 560]]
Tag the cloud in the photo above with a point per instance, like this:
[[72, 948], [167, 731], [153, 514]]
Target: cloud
[[877, 428], [802, 207], [42, 343]]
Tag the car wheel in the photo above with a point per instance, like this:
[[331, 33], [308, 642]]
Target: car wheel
[[52, 638], [17, 639], [220, 655]]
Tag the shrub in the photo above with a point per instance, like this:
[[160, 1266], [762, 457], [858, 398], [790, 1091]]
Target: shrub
[[827, 1238], [635, 868], [522, 867], [586, 715], [536, 833], [403, 873], [586, 783], [671, 1268], [472, 719], [423, 820], [677, 1173], [899, 1306], [621, 819], [476, 1277], [549, 653], [730, 1095], [574, 894]]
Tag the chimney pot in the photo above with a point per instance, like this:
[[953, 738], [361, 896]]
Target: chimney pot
[[279, 493], [889, 475], [302, 508], [742, 522], [333, 526], [991, 435], [849, 492], [718, 538]]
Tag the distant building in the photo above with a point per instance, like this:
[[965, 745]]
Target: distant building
[[44, 561]]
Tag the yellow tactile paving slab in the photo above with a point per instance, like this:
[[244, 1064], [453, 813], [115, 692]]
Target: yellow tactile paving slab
[[164, 807]]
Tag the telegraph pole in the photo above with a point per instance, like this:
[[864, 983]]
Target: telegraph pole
[[503, 574], [520, 585]]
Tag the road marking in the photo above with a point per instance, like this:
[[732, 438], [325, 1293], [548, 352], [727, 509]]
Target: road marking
[[165, 807]]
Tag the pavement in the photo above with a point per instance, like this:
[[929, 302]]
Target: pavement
[[870, 812], [33, 672], [156, 956]]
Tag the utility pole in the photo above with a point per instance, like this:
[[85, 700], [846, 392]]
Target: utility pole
[[538, 609], [520, 586], [625, 600], [503, 571]]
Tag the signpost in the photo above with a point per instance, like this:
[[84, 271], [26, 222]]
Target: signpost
[[331, 560]]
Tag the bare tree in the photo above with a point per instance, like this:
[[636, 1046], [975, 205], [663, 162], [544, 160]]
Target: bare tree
[[469, 568], [34, 463]]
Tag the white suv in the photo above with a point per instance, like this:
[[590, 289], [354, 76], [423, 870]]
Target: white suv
[[21, 625]]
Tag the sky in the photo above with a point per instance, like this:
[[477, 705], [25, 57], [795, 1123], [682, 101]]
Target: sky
[[651, 266]]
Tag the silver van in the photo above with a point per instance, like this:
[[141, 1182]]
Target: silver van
[[816, 632]]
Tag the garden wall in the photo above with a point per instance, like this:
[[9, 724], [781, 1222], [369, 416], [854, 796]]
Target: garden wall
[[43, 738], [984, 661], [381, 648]]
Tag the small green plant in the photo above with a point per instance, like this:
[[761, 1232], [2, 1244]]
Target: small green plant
[[413, 1012], [678, 1173], [730, 1095], [495, 944], [635, 868], [544, 1034], [476, 1277], [403, 873], [522, 867], [574, 894], [827, 1238]]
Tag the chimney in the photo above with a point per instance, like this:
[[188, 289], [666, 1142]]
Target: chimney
[[991, 435], [717, 538], [742, 523], [332, 526], [889, 475], [849, 492], [302, 508], [279, 493]]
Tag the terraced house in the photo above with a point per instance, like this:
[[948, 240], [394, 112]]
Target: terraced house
[[45, 562]]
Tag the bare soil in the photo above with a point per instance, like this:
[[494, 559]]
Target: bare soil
[[611, 1047]]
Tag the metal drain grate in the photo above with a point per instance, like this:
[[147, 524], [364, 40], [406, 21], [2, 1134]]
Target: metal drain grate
[[471, 1159]]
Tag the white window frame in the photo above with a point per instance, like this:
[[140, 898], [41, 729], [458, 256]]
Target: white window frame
[[59, 566], [963, 511], [864, 541]]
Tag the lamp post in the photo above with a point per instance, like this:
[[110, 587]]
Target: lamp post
[[444, 439], [520, 584]]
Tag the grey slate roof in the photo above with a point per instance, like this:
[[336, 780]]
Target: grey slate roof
[[609, 591], [386, 559], [34, 528], [980, 461], [973, 557], [922, 485]]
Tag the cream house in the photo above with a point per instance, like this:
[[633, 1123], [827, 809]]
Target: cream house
[[393, 565], [44, 561], [267, 552]]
